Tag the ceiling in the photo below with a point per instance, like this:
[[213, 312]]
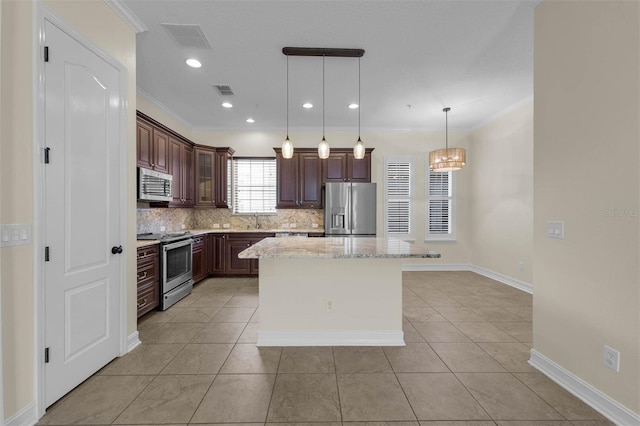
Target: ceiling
[[420, 56]]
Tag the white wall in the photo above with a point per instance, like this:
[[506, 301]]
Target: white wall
[[501, 215], [586, 173]]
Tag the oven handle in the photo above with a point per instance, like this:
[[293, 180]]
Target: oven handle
[[177, 244]]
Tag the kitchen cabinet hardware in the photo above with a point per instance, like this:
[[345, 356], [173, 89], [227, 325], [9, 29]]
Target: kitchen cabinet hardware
[[148, 279], [116, 250], [143, 304], [142, 277]]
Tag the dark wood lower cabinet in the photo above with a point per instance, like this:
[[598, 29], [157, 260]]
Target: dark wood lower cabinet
[[148, 279], [237, 266], [224, 255], [199, 258], [218, 257]]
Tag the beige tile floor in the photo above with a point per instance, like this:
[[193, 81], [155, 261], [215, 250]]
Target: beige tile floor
[[465, 364]]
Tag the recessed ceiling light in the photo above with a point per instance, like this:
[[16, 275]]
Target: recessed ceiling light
[[227, 104], [353, 106], [193, 63], [307, 105], [250, 120]]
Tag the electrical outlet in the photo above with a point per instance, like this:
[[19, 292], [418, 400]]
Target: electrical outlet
[[162, 229], [226, 225], [330, 305], [182, 226], [611, 359], [314, 225], [521, 266], [292, 225], [216, 226]]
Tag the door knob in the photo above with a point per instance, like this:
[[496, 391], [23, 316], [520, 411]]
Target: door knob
[[116, 250]]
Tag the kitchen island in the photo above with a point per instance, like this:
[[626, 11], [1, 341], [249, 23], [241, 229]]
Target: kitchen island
[[334, 291]]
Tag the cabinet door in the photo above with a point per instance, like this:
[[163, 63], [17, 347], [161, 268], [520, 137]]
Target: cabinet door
[[222, 178], [144, 145], [218, 256], [175, 169], [198, 262], [204, 177], [235, 265], [160, 151], [335, 167], [287, 188], [310, 180], [187, 175], [209, 244], [359, 170]]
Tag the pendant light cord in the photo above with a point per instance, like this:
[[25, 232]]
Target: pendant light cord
[[287, 97], [446, 127], [322, 97], [359, 105]]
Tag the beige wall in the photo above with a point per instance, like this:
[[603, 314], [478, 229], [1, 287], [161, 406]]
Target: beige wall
[[415, 144], [151, 109], [586, 156], [501, 216], [96, 21], [16, 173]]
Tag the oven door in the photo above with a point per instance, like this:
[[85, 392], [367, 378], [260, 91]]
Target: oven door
[[176, 265]]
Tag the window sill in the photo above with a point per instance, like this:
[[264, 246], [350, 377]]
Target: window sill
[[440, 240]]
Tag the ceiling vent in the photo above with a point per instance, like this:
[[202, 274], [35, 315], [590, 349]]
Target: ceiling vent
[[188, 35], [223, 89]]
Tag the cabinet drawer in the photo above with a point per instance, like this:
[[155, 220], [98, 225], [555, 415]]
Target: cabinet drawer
[[148, 298], [147, 273], [148, 253]]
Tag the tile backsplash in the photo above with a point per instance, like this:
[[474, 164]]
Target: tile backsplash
[[151, 220]]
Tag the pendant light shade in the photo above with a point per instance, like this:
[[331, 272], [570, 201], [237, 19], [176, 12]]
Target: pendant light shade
[[447, 159], [323, 147], [358, 148], [287, 145]]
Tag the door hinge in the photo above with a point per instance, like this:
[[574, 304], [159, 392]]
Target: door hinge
[[46, 355], [46, 53], [46, 254], [46, 155]]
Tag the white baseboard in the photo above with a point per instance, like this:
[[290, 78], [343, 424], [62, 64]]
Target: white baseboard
[[600, 402], [133, 341], [330, 338], [25, 417], [520, 285]]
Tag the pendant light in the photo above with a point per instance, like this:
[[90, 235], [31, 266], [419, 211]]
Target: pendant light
[[448, 159], [323, 147], [358, 149], [287, 145]]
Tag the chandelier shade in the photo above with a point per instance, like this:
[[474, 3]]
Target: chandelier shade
[[447, 159]]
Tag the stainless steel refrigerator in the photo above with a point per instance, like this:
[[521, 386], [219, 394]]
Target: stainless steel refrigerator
[[350, 209]]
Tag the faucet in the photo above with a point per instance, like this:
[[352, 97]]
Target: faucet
[[257, 223]]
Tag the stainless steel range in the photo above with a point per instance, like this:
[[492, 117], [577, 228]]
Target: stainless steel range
[[175, 265]]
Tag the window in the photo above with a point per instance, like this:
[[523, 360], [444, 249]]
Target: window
[[440, 206], [254, 185], [398, 195]]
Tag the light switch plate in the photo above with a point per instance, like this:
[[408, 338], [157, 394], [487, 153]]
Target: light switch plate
[[555, 229], [15, 235]]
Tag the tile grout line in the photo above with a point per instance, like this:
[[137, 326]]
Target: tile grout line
[[273, 388], [335, 373], [415, 416]]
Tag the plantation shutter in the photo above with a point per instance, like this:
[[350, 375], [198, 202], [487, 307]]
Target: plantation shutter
[[439, 205], [254, 185], [398, 197]]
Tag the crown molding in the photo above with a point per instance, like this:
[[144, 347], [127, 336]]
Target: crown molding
[[163, 107], [127, 15]]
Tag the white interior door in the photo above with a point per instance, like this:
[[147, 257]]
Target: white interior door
[[82, 182]]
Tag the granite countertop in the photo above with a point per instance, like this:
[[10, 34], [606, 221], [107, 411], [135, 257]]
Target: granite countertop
[[335, 248], [196, 232]]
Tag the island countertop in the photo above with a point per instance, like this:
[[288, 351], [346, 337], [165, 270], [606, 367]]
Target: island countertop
[[335, 248]]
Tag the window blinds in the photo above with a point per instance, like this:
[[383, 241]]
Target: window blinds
[[254, 185], [439, 204], [398, 195]]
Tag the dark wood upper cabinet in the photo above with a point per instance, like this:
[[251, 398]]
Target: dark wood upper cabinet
[[181, 168], [341, 166], [222, 169], [152, 146], [204, 178], [299, 183]]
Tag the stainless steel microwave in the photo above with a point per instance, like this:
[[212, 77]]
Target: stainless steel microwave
[[154, 186]]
